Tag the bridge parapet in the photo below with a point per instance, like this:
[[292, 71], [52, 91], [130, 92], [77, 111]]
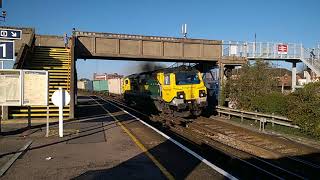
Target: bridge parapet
[[263, 50], [138, 47], [49, 41]]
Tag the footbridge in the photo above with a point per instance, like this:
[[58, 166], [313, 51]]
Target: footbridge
[[289, 52], [47, 52]]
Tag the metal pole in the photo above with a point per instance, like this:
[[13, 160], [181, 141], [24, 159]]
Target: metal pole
[[29, 117], [61, 104], [294, 78]]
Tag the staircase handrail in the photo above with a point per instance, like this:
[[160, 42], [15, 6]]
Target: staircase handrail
[[313, 61]]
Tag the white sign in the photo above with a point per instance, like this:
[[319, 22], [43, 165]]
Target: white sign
[[35, 88], [10, 88], [23, 87], [60, 99]]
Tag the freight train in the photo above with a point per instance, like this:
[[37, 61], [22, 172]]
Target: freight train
[[179, 91]]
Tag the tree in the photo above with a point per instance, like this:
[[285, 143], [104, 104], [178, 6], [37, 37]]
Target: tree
[[304, 108], [251, 82]]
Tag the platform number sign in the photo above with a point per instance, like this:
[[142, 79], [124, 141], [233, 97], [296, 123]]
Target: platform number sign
[[6, 50]]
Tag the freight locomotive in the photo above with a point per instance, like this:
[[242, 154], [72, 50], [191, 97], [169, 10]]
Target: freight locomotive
[[179, 91]]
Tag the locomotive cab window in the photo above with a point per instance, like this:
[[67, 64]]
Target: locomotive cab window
[[167, 79], [187, 77]]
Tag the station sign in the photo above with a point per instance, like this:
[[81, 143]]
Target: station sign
[[6, 50], [10, 34], [282, 49]]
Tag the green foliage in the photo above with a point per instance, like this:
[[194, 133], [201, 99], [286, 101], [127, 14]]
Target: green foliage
[[304, 108], [274, 102], [252, 82], [254, 89]]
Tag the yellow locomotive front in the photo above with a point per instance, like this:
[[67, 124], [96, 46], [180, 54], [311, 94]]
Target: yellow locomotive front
[[183, 90]]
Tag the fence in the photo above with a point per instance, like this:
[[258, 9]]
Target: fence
[[262, 118]]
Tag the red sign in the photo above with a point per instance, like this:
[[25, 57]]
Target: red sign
[[282, 49]]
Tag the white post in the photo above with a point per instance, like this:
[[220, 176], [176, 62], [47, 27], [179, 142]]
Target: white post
[[61, 112], [294, 78]]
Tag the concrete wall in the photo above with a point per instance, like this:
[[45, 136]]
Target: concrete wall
[[116, 46], [50, 41]]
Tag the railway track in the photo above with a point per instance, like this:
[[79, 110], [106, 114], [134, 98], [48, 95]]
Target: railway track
[[266, 154], [282, 165]]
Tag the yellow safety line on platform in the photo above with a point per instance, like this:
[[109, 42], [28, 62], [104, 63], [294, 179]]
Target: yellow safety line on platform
[[140, 145]]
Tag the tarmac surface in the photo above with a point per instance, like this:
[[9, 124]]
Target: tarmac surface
[[103, 143]]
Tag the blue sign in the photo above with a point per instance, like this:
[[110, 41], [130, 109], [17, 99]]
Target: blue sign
[[10, 34], [6, 50]]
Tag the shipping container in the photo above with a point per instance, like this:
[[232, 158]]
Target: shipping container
[[100, 85], [115, 85], [81, 85], [85, 85], [89, 86]]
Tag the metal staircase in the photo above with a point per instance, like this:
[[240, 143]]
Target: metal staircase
[[57, 61], [269, 51], [312, 62]]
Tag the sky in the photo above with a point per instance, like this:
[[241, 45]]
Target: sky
[[294, 21]]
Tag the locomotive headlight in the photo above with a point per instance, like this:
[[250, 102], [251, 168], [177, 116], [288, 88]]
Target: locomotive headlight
[[180, 95], [202, 93]]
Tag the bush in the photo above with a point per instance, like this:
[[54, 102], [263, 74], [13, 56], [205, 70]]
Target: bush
[[274, 102], [304, 108], [251, 83]]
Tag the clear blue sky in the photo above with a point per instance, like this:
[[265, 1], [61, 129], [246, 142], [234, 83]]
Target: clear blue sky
[[271, 20]]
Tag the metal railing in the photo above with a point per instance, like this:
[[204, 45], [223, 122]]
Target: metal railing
[[264, 50], [262, 118], [269, 50]]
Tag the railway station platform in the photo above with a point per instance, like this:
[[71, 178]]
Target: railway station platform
[[105, 142]]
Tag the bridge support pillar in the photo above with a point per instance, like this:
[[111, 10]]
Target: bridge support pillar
[[294, 76], [72, 81]]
